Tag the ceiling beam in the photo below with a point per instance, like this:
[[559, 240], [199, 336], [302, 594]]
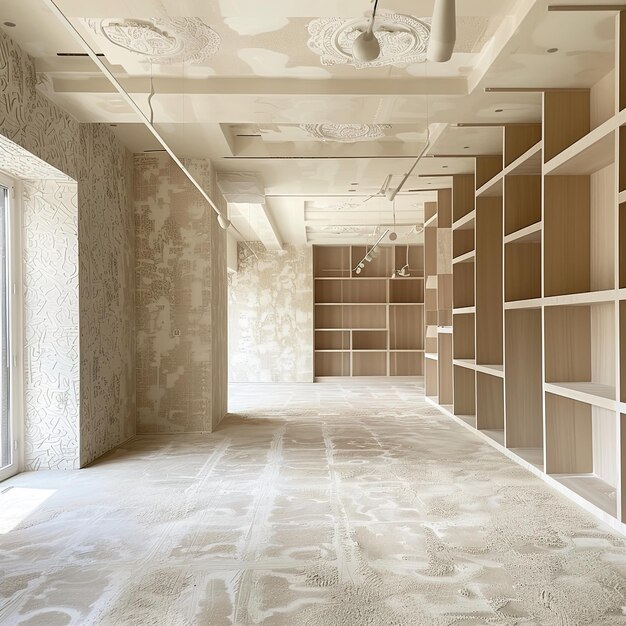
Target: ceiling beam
[[587, 7], [257, 86]]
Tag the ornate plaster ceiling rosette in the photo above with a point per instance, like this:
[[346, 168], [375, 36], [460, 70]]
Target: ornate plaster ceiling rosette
[[345, 133], [403, 39], [160, 39]]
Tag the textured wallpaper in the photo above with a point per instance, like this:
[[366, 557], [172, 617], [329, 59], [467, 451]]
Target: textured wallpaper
[[270, 302], [106, 251], [91, 155], [51, 348], [178, 274]]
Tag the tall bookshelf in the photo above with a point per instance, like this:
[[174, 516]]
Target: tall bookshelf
[[539, 292], [368, 324], [438, 383]]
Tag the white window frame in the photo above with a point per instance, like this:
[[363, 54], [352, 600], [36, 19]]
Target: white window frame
[[16, 324]]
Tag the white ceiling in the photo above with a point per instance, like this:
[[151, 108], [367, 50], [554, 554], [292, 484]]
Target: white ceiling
[[246, 105]]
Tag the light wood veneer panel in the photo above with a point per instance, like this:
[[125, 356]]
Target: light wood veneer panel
[[518, 139], [463, 336], [568, 436], [489, 402], [566, 235], [524, 380], [462, 195], [566, 117], [445, 369], [464, 391], [488, 281], [568, 343], [522, 202]]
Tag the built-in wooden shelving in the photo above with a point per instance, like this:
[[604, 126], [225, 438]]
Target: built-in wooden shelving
[[539, 294], [438, 243], [368, 324]]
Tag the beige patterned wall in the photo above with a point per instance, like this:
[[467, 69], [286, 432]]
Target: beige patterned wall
[[51, 313], [180, 278], [270, 301], [90, 155], [106, 250]]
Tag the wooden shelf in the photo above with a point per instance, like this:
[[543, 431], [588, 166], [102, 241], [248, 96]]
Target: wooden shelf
[[409, 351], [530, 234], [466, 310], [351, 304], [591, 488], [347, 329], [531, 303], [492, 188], [433, 356], [588, 297], [467, 363], [534, 456], [527, 164], [431, 221], [595, 394], [465, 222], [346, 350], [444, 330], [496, 435], [468, 257], [470, 420], [589, 154], [490, 370]]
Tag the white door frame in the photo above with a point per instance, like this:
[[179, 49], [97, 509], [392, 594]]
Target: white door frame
[[15, 322]]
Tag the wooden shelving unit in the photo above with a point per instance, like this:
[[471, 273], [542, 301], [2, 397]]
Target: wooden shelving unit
[[438, 243], [539, 292], [368, 324]]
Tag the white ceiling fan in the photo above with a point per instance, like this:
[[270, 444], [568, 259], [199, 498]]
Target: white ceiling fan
[[366, 47]]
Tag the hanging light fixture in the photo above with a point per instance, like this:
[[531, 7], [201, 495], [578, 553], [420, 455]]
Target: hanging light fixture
[[223, 221], [442, 32], [366, 47]]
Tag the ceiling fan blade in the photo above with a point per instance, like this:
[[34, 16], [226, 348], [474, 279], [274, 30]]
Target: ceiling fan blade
[[442, 32]]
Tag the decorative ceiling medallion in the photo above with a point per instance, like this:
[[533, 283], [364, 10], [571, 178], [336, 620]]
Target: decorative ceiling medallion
[[403, 39], [345, 133], [160, 39]]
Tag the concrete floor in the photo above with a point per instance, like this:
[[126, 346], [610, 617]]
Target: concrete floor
[[311, 506]]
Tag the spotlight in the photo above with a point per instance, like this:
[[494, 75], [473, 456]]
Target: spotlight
[[358, 270]]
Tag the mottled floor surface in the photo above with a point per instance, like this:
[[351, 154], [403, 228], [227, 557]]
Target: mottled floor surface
[[312, 505]]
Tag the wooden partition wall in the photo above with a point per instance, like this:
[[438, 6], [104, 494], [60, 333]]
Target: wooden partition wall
[[368, 324], [539, 295]]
